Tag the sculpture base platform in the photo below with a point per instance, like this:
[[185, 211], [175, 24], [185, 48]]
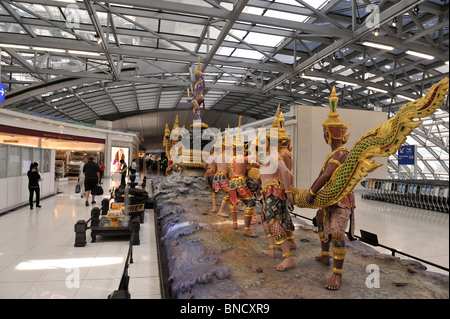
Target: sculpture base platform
[[208, 259]]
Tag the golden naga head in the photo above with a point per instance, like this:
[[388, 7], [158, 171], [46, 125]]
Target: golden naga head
[[333, 126]]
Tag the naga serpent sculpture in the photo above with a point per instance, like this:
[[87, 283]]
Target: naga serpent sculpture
[[380, 141]]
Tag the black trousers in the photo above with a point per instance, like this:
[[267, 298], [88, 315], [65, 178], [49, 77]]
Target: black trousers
[[33, 190]]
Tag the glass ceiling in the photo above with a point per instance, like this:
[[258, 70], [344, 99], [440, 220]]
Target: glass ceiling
[[254, 55]]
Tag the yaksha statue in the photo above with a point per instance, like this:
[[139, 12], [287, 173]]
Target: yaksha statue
[[197, 98], [333, 220], [276, 182], [239, 191], [211, 168], [330, 194], [221, 181]]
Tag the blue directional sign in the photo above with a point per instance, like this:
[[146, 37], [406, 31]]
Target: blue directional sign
[[2, 93], [406, 155]]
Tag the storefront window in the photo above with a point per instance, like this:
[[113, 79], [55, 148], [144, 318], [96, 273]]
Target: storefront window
[[37, 157], [46, 163], [14, 161], [27, 158], [3, 158]]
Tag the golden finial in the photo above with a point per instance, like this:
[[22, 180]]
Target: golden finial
[[166, 134], [227, 138], [199, 70], [333, 115], [175, 125], [218, 140], [256, 141], [238, 140], [276, 121]]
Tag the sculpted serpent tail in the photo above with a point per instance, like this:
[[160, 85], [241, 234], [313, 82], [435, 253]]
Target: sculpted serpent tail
[[381, 141]]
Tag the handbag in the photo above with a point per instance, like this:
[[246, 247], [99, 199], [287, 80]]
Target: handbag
[[97, 191], [78, 188]]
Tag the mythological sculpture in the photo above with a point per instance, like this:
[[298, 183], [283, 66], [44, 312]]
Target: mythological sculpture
[[197, 98], [382, 141], [221, 181], [343, 169], [276, 182], [211, 169], [239, 191]]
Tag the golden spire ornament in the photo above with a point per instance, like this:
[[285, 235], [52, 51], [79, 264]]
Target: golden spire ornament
[[333, 125], [238, 140]]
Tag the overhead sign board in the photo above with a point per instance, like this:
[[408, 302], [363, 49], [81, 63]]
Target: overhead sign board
[[2, 93], [406, 155]]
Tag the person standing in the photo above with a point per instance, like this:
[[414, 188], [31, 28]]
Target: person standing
[[123, 171], [133, 167], [33, 184], [102, 170], [81, 176], [91, 178]]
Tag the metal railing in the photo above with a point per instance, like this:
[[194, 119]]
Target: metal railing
[[123, 292], [372, 239], [424, 194]]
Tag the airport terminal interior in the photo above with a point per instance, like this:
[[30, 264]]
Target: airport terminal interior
[[224, 149]]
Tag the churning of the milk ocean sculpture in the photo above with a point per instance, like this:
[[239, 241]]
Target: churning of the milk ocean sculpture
[[381, 141]]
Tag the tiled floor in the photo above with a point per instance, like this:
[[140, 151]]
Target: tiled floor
[[38, 258], [417, 232]]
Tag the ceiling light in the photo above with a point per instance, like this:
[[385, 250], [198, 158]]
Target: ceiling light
[[377, 90], [346, 83], [405, 97], [14, 46], [446, 62], [394, 22], [314, 78], [378, 46], [312, 68], [69, 1], [416, 10], [420, 55], [49, 49], [376, 32], [83, 52]]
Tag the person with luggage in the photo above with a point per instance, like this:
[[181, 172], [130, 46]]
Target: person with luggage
[[91, 178]]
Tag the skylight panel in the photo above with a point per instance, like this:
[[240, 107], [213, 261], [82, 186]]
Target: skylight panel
[[237, 33], [286, 16], [263, 39], [225, 51], [249, 54]]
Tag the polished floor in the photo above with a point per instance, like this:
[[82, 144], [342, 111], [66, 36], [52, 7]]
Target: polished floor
[[38, 259], [415, 232]]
